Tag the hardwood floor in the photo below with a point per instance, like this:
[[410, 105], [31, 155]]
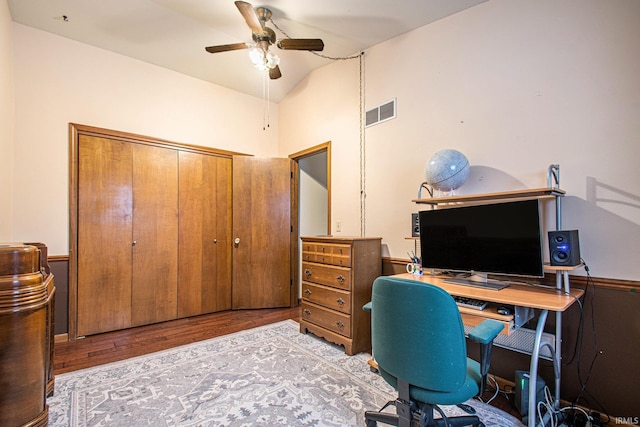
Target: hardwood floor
[[119, 345]]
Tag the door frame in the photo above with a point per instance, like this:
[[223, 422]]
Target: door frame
[[295, 202]]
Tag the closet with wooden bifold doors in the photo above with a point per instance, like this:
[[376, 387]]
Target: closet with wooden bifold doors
[[152, 231]]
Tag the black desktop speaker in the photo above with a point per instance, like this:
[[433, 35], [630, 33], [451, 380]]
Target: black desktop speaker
[[564, 248], [415, 225]]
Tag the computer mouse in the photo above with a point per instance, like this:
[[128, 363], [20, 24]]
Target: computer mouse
[[505, 311]]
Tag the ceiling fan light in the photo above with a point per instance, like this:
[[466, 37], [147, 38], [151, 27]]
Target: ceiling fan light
[[272, 60], [257, 56]]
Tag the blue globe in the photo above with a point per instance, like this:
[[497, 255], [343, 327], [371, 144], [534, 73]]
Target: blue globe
[[447, 170]]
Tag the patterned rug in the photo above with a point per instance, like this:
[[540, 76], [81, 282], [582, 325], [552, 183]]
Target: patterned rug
[[271, 375]]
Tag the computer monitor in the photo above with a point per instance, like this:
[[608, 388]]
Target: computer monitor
[[499, 238]]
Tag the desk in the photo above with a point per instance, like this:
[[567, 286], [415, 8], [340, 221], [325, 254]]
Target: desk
[[535, 297]]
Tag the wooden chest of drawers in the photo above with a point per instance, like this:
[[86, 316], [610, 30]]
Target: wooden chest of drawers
[[337, 275]]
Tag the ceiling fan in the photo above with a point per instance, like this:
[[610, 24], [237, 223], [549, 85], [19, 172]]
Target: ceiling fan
[[264, 37]]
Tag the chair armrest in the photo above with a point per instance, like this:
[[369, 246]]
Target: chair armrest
[[486, 331], [367, 307], [484, 334]]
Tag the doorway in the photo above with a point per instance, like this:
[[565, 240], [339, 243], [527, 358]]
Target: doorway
[[312, 198]]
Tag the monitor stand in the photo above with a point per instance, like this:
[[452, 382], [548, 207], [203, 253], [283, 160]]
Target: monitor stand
[[478, 280]]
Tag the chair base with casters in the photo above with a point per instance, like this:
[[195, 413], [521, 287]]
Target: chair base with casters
[[419, 345], [413, 414]]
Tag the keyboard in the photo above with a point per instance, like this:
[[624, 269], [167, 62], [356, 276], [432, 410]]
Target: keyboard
[[475, 304]]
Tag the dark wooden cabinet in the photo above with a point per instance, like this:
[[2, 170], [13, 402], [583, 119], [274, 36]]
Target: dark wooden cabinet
[[337, 276], [26, 338]]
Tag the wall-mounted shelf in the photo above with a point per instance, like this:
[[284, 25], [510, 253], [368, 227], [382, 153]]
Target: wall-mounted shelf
[[533, 193], [559, 268]]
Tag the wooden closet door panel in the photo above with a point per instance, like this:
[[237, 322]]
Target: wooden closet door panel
[[262, 227], [204, 271], [155, 234], [224, 217], [104, 235]]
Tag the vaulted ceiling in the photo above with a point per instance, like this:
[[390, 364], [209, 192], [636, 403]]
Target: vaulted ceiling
[[173, 33]]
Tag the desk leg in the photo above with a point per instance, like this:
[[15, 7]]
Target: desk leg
[[533, 369], [558, 358], [562, 281]]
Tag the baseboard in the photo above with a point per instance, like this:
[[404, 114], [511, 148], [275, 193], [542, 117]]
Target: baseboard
[[61, 338]]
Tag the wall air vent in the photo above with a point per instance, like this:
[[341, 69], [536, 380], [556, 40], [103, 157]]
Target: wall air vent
[[381, 113]]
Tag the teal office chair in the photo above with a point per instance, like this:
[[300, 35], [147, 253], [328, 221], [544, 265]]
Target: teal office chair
[[419, 345]]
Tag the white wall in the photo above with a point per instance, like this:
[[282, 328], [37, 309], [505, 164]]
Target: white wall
[[313, 206], [58, 81], [515, 85], [325, 107], [6, 122]]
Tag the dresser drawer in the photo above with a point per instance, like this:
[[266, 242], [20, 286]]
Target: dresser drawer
[[337, 277], [335, 299], [334, 321], [327, 253]]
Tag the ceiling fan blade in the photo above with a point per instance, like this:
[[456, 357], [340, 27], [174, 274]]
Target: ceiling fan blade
[[301, 44], [274, 73], [226, 47], [250, 15]]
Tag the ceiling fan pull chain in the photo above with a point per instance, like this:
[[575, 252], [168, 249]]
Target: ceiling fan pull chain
[[264, 97], [268, 80]]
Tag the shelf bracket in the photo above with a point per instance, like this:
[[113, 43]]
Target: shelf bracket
[[553, 181], [553, 176]]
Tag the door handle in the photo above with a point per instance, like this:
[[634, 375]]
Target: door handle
[[236, 242]]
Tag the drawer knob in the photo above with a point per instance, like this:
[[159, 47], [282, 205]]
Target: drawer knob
[[340, 301], [307, 312], [307, 272], [307, 292], [339, 324], [340, 279]]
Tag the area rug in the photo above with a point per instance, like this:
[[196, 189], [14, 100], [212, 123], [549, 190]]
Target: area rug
[[271, 375]]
